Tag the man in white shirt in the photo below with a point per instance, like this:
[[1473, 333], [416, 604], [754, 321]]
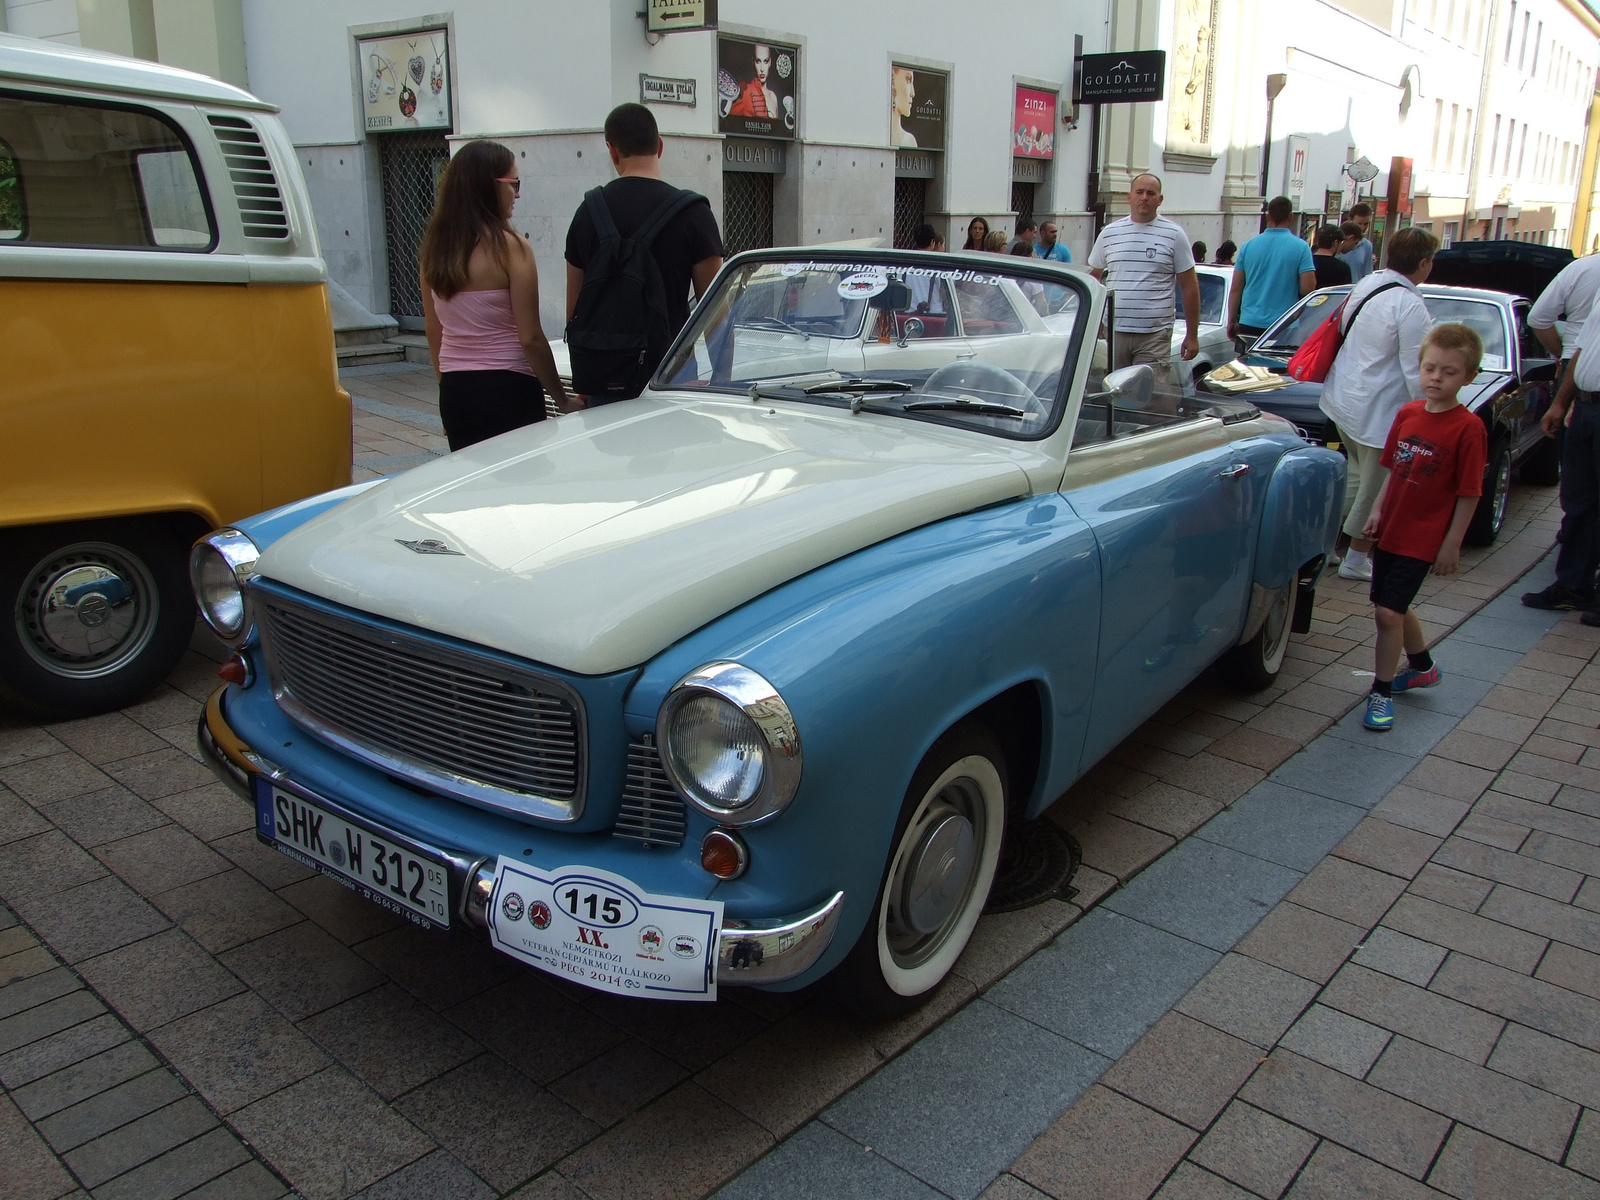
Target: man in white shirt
[[1577, 406], [1141, 258], [1376, 371], [1569, 297]]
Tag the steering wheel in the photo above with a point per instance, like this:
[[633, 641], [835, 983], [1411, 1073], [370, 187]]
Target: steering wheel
[[979, 381]]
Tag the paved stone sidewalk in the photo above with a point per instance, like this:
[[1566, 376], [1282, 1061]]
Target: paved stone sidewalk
[[303, 1040]]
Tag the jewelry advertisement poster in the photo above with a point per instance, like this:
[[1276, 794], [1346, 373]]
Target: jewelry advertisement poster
[[405, 80]]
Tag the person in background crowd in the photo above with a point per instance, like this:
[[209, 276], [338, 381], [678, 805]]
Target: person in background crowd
[[480, 302], [927, 294], [1349, 238], [1225, 253], [1031, 288], [1359, 256], [1142, 257], [1572, 294], [926, 237], [688, 250], [1027, 234], [977, 232], [1325, 258], [1199, 252], [995, 243], [1274, 270], [1049, 247], [1375, 372]]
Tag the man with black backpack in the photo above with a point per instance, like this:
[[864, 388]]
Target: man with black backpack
[[633, 249]]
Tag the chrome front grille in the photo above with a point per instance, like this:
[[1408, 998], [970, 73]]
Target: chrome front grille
[[652, 812], [464, 724]]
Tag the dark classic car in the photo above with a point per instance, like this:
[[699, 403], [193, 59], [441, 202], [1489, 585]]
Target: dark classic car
[[1512, 390]]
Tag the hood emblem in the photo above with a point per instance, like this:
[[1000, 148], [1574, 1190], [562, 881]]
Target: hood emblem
[[429, 546]]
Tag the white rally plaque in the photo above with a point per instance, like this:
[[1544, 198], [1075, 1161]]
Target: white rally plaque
[[602, 931]]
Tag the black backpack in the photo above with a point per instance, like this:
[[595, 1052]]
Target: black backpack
[[619, 331]]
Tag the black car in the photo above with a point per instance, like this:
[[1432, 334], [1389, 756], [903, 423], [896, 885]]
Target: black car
[[1512, 390]]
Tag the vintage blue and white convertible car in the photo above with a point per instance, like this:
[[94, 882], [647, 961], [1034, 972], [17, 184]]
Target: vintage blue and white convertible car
[[743, 681]]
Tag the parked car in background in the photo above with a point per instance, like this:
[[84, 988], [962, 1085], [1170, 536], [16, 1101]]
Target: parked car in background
[[1216, 347], [169, 358], [744, 681], [1514, 386]]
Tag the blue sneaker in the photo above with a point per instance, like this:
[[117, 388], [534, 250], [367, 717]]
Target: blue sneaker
[[1408, 677], [1380, 712]]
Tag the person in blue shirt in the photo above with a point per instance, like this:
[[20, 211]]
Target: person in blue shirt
[[1048, 247], [1359, 256], [1272, 271]]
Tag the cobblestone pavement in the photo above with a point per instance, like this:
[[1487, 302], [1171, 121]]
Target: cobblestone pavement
[[182, 1009]]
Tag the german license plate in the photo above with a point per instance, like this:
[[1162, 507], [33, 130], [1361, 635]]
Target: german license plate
[[374, 863], [605, 932]]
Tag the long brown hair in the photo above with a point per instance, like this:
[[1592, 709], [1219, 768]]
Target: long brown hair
[[976, 243], [466, 215]]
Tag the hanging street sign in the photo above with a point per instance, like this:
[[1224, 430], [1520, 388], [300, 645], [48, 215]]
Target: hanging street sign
[[676, 16], [653, 89], [1363, 170], [1126, 77]]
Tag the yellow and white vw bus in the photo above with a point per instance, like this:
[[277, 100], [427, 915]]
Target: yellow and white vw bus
[[166, 358]]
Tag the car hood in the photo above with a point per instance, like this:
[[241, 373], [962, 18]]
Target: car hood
[[593, 542]]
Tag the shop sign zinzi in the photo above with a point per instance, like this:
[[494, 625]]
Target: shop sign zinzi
[[675, 16], [1125, 77], [405, 80], [1034, 125], [757, 88], [653, 89]]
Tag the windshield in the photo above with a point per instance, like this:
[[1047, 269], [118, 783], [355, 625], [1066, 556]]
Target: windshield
[[943, 339], [1481, 315]]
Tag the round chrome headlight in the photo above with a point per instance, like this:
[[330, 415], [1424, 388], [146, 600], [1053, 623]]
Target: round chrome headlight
[[729, 744], [220, 565]]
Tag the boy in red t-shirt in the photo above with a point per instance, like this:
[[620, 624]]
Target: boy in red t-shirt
[[1435, 455]]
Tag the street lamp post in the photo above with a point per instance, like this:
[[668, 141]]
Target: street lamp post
[[1275, 84]]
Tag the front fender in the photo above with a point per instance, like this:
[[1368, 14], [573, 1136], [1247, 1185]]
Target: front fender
[[880, 653], [265, 528], [1301, 517]]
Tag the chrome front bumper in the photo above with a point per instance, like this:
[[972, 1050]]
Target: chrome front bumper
[[763, 950]]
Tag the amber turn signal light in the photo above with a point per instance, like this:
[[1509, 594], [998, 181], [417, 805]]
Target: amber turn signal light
[[723, 854], [236, 671]]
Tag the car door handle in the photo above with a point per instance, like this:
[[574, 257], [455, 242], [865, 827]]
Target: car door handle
[[1236, 470]]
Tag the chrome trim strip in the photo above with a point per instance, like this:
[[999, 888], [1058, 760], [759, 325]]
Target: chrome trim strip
[[428, 777], [770, 952]]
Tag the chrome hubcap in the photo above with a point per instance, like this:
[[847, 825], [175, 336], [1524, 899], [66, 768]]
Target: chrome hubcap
[[1277, 629], [86, 610], [934, 878]]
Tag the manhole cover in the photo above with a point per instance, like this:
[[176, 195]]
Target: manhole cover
[[1037, 863]]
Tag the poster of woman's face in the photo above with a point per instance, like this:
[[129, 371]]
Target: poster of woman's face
[[757, 88], [916, 107]]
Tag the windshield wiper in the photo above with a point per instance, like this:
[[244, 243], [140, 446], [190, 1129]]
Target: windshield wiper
[[860, 385], [773, 323], [985, 407]]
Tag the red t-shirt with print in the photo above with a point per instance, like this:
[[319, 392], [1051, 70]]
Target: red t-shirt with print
[[1432, 458]]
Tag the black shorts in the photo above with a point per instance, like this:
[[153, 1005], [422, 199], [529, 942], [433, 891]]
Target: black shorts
[[1396, 579], [475, 405]]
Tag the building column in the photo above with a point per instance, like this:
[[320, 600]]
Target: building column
[[1127, 131], [199, 35]]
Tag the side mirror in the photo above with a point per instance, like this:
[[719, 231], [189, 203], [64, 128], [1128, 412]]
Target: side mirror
[[910, 328], [1134, 386], [896, 297]]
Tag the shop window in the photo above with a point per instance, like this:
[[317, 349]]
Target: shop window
[[78, 174], [746, 211], [1022, 200], [910, 205]]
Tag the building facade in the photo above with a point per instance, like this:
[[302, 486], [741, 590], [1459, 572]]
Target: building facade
[[833, 121]]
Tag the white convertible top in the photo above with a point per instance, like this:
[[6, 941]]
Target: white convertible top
[[34, 61]]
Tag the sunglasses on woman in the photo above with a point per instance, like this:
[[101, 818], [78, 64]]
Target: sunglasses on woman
[[516, 185]]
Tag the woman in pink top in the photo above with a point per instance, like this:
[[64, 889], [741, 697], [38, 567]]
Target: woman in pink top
[[480, 295]]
